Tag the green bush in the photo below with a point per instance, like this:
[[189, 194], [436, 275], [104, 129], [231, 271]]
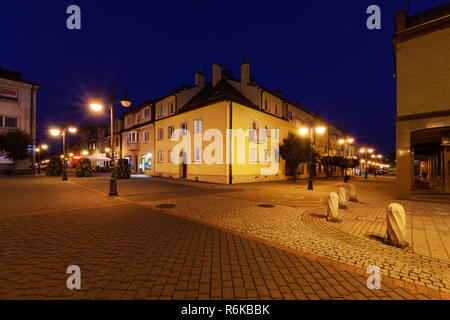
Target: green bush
[[84, 168], [122, 169], [55, 167]]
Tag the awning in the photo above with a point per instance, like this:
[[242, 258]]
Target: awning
[[97, 157]]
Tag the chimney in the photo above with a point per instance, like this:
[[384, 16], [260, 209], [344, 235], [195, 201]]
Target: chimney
[[245, 73], [199, 79], [400, 20], [216, 74]]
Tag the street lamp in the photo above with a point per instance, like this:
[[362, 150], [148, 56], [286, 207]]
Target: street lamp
[[344, 142], [62, 132], [304, 132], [97, 106]]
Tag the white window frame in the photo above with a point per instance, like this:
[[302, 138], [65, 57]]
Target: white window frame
[[196, 126], [170, 132], [160, 156], [253, 155], [146, 136], [197, 154], [146, 113], [171, 155], [160, 134], [161, 111], [253, 132], [183, 132]]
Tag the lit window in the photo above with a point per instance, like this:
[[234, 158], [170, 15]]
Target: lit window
[[146, 113], [183, 127], [198, 154], [253, 155], [170, 132], [10, 122], [171, 153], [198, 126], [253, 132]]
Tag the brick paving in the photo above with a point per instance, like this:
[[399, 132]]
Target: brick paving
[[298, 221], [129, 250]]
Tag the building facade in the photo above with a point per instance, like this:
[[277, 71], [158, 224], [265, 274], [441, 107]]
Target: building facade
[[17, 111], [222, 131], [422, 55]]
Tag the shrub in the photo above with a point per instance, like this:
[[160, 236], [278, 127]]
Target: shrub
[[122, 169], [84, 168], [55, 167]]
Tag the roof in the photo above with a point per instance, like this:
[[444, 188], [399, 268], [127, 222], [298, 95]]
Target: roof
[[14, 76], [428, 15], [220, 92]]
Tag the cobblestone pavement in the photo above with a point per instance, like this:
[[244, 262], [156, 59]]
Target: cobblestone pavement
[[127, 250], [298, 221]]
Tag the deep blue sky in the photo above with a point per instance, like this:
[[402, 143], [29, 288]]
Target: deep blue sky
[[318, 52]]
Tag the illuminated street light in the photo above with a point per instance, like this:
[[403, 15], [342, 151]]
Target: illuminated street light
[[303, 131], [62, 132], [320, 130], [97, 106], [85, 153], [107, 150], [44, 147]]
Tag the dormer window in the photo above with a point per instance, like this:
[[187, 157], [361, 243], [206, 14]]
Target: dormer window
[[171, 107], [161, 111], [138, 118], [266, 104], [146, 113]]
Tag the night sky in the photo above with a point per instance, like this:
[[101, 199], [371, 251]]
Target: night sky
[[317, 52]]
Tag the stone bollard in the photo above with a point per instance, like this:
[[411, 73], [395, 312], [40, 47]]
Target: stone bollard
[[342, 198], [396, 226], [333, 207], [352, 193]]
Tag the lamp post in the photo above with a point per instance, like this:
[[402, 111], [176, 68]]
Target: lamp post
[[63, 132], [97, 106], [38, 150], [303, 132], [344, 143]]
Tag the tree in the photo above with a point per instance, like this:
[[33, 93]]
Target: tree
[[54, 167], [15, 144], [295, 151], [84, 168], [122, 169]]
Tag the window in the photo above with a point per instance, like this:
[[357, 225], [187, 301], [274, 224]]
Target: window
[[198, 154], [146, 113], [10, 122], [138, 118], [128, 121], [160, 156], [183, 127], [132, 137], [170, 131], [266, 104], [170, 156], [253, 132], [1, 122], [117, 142], [172, 107], [253, 155], [266, 156], [160, 134], [161, 111], [198, 126], [146, 136], [290, 115], [276, 109]]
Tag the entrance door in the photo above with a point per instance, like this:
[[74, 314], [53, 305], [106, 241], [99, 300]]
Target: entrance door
[[183, 166]]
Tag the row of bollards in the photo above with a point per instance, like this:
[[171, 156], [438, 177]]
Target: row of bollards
[[396, 217]]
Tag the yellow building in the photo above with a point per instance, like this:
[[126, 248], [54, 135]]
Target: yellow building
[[422, 59], [223, 131]]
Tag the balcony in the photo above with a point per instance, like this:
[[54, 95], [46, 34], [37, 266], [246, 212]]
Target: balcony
[[133, 146]]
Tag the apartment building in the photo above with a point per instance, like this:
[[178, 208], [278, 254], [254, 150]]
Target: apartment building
[[421, 49], [17, 111], [222, 131]]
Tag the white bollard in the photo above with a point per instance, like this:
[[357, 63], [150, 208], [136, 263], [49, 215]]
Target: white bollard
[[333, 207], [352, 193], [396, 226], [342, 198]]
